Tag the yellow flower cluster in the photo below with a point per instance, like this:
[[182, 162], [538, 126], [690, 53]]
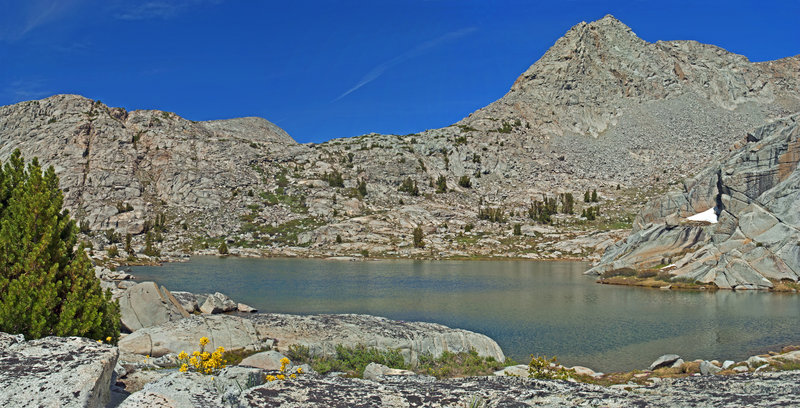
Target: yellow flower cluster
[[202, 361], [282, 376]]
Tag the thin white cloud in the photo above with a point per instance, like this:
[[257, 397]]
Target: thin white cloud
[[376, 72], [157, 9], [25, 90], [16, 22]]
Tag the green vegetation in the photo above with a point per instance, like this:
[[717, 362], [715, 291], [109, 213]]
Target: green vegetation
[[350, 360], [409, 186], [353, 360], [295, 202], [223, 248], [465, 182], [461, 140], [47, 287], [362, 188], [334, 179], [517, 229], [418, 238], [493, 214], [462, 364], [149, 248], [541, 211], [112, 251], [441, 184], [543, 368]]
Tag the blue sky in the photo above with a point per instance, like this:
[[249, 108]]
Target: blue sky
[[325, 69]]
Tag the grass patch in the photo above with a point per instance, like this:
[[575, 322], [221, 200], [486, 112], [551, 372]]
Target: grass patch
[[462, 364], [350, 360]]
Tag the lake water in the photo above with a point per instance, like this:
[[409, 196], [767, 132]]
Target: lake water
[[528, 307]]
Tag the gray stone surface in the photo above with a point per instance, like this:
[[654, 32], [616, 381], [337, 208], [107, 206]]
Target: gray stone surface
[[266, 360], [55, 372], [230, 332], [664, 361], [218, 303], [755, 242], [146, 305], [322, 333], [376, 372], [602, 107]]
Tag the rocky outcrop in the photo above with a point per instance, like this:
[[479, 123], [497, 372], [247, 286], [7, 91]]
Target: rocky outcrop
[[753, 237], [146, 305], [188, 390], [601, 108], [322, 333], [55, 372], [230, 332]]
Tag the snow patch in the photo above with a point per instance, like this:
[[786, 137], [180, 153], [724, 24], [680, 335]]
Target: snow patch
[[708, 215]]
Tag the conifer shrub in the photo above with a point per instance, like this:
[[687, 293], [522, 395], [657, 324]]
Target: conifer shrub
[[223, 248], [418, 238], [47, 286], [465, 182]]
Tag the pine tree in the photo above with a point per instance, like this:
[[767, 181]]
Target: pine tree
[[46, 286], [594, 196], [418, 238], [223, 248]]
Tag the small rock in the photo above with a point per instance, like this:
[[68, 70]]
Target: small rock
[[727, 364], [664, 361], [520, 370], [245, 308], [706, 368], [740, 369], [581, 370], [756, 361], [218, 303], [679, 362], [373, 371], [267, 360]]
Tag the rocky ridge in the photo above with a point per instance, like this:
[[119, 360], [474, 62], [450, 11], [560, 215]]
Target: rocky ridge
[[602, 109], [754, 240]]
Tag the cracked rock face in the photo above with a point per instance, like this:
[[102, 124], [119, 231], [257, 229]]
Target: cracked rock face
[[55, 372], [755, 193]]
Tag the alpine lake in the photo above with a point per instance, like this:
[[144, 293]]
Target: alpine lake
[[528, 307]]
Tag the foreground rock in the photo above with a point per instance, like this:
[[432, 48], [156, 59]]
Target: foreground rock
[[230, 332], [146, 304], [55, 372], [752, 201], [322, 333], [189, 390]]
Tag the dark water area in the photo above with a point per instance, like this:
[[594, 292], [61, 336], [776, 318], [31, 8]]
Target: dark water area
[[528, 307]]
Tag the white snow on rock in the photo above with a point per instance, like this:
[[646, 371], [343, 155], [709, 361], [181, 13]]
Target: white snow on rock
[[708, 215]]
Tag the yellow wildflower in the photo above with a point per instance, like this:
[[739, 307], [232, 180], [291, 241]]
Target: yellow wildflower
[[285, 361], [183, 356], [293, 376], [270, 378], [99, 341], [108, 338], [280, 377], [205, 355], [299, 370], [184, 368], [203, 341]]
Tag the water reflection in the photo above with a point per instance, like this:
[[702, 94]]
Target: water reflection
[[528, 307]]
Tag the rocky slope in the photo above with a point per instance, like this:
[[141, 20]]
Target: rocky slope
[[754, 196], [602, 109]]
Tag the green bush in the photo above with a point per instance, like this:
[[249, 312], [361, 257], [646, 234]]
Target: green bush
[[112, 251], [465, 182], [351, 360], [418, 238], [223, 248], [47, 287], [441, 184], [543, 368]]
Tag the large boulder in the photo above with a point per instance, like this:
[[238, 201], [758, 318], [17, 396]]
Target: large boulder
[[146, 305], [55, 372], [230, 332], [218, 303], [322, 333]]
